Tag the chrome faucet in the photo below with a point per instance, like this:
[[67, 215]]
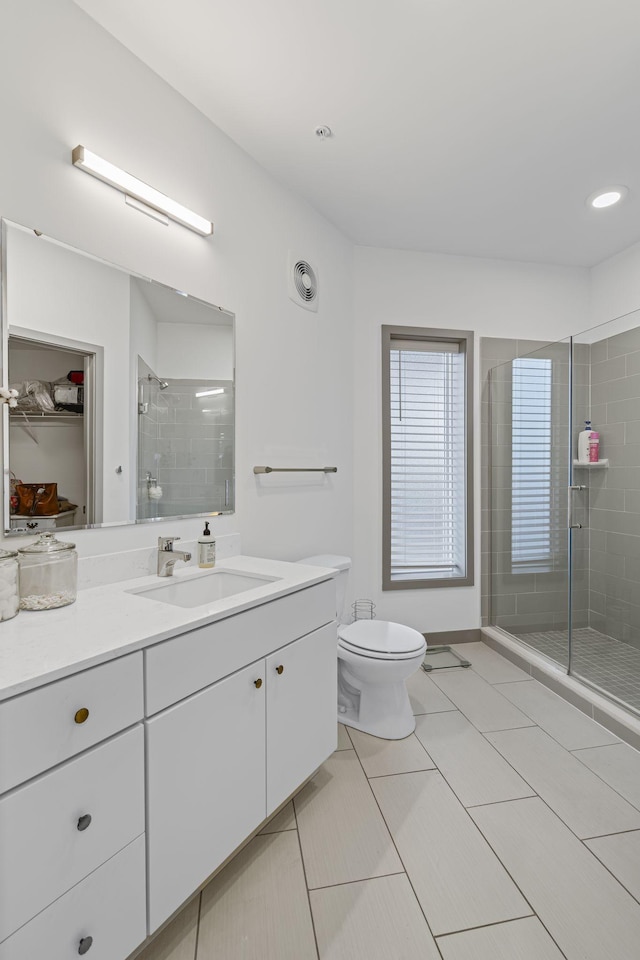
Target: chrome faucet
[[167, 556]]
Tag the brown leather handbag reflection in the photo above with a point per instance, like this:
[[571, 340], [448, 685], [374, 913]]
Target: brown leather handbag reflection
[[37, 499]]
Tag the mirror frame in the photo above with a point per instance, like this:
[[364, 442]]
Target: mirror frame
[[5, 224]]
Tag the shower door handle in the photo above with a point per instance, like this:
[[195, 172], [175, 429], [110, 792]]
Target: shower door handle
[[570, 524]]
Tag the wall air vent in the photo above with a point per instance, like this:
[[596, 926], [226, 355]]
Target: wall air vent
[[303, 283]]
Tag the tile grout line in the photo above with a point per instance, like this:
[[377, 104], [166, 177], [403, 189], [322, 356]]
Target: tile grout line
[[484, 926], [558, 817], [476, 827], [406, 874], [606, 782], [434, 713], [571, 754], [306, 884], [579, 711], [401, 773], [610, 871], [195, 954], [346, 883], [491, 686], [470, 806], [508, 873]]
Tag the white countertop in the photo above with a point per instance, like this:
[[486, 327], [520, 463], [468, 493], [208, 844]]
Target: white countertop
[[108, 621]]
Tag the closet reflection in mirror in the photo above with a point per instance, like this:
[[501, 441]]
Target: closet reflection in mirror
[[126, 405]]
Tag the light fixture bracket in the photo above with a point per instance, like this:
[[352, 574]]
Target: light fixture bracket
[[139, 190]]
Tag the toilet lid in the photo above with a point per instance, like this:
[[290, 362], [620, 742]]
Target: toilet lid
[[381, 637]]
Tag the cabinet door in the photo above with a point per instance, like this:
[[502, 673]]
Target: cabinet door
[[301, 711], [205, 785]]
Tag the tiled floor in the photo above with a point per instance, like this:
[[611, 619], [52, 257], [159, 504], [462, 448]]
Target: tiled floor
[[506, 828], [609, 664]]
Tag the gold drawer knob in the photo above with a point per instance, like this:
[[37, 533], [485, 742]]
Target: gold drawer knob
[[81, 715], [258, 683], [280, 669]]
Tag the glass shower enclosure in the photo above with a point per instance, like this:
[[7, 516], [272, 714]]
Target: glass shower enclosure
[[563, 536]]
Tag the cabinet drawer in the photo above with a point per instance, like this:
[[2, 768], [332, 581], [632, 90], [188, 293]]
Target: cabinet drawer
[[109, 906], [179, 667], [39, 729], [46, 847]]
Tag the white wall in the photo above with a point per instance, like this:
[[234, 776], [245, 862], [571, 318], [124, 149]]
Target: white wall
[[615, 289], [491, 297], [66, 81], [191, 351], [143, 332]]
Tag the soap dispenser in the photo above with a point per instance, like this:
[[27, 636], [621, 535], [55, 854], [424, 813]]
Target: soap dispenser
[[583, 442], [206, 549]]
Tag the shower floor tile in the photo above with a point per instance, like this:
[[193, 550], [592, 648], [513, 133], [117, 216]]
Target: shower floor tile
[[609, 664]]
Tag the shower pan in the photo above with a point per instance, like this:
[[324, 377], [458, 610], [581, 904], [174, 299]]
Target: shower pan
[[564, 536]]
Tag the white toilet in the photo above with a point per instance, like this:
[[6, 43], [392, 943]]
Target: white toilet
[[375, 658]]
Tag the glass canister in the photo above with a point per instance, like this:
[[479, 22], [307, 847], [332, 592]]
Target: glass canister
[[48, 573], [9, 596]]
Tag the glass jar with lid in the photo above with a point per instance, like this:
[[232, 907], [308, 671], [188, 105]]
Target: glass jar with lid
[[9, 596], [48, 573]]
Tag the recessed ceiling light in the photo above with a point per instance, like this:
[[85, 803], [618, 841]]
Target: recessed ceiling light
[[607, 198]]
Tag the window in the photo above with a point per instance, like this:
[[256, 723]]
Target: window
[[531, 453], [427, 454]]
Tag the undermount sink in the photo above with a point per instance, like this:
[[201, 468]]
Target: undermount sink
[[207, 588]]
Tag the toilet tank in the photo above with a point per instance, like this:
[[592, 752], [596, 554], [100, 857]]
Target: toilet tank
[[343, 564]]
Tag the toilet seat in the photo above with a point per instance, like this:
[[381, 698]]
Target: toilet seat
[[381, 640]]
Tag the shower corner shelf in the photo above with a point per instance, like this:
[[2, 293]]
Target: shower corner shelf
[[598, 464]]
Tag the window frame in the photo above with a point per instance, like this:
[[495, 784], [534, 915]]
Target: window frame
[[465, 342]]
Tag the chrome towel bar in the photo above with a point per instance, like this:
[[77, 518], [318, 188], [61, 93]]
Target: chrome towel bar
[[295, 469]]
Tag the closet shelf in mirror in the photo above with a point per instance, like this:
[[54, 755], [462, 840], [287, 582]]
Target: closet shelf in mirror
[[26, 421], [44, 416]]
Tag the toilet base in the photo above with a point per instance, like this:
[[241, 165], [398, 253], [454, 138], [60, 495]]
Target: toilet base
[[400, 731], [381, 709]]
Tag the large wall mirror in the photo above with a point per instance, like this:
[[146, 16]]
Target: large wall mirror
[[125, 406]]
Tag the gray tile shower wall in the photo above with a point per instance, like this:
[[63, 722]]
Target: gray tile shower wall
[[615, 493], [186, 443], [195, 447]]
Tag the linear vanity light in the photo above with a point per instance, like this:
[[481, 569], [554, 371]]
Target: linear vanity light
[[210, 393], [139, 190]]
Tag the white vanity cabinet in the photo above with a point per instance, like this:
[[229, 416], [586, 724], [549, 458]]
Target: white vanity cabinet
[[224, 758], [125, 786], [72, 851]]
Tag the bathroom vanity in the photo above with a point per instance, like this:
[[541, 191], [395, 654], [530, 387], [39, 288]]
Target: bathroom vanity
[[143, 741]]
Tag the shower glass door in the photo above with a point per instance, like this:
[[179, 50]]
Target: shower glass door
[[529, 471], [605, 549]]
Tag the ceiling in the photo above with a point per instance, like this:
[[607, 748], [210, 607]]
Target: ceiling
[[473, 127]]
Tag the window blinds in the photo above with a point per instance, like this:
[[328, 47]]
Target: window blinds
[[531, 464], [428, 496]]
